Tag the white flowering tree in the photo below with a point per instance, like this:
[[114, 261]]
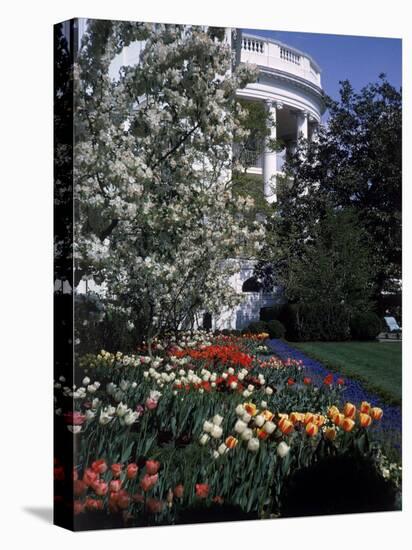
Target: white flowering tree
[[157, 222]]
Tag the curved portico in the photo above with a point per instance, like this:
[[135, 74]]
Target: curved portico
[[289, 85]]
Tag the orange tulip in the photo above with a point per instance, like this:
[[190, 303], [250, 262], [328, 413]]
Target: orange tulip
[[262, 434], [311, 429], [348, 424], [295, 417], [320, 420], [267, 415], [349, 410], [376, 413], [364, 420], [332, 411], [330, 434], [365, 407], [250, 408], [231, 442], [285, 426], [309, 417], [338, 419]]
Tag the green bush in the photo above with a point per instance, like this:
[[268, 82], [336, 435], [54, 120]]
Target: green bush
[[365, 326], [255, 327], [306, 322], [276, 329]]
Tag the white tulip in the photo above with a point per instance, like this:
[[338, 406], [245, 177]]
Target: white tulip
[[222, 449], [62, 379], [247, 434], [240, 426], [204, 438], [246, 417], [269, 427], [231, 370], [251, 388], [233, 385], [253, 444], [217, 420], [207, 426], [91, 388], [241, 376], [240, 410], [215, 454], [105, 418], [86, 381], [130, 417], [259, 420], [283, 449], [121, 409], [224, 375], [268, 391], [263, 404], [216, 432], [246, 393]]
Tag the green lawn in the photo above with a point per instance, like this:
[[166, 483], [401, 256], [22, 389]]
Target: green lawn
[[377, 365]]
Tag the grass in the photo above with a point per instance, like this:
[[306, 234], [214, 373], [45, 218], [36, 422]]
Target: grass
[[377, 365]]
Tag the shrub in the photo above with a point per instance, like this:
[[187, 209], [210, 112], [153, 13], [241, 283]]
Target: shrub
[[305, 322], [255, 327], [270, 313], [365, 326], [276, 329]]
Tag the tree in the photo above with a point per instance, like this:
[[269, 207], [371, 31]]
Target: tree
[[354, 164], [158, 225]]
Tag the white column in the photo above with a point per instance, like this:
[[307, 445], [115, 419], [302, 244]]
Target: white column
[[269, 156], [302, 124]]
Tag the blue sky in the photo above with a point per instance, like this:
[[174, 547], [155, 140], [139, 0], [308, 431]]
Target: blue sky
[[359, 59]]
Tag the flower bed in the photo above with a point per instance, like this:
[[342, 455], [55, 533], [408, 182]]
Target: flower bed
[[203, 423]]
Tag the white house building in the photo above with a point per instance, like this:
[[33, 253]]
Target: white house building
[[289, 85]]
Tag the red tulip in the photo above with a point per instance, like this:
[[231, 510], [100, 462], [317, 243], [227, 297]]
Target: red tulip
[[152, 467], [116, 469], [131, 471], [202, 490], [99, 466]]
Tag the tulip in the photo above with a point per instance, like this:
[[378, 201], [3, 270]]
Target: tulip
[[250, 408], [231, 442], [151, 404], [307, 380], [246, 418], [178, 491], [332, 411], [78, 507], [122, 500], [202, 490], [100, 488], [130, 417], [222, 449], [320, 420], [295, 417], [253, 444], [154, 506], [204, 438], [115, 485], [259, 420], [330, 434], [311, 429], [105, 418], [240, 410], [148, 481], [121, 409], [216, 432], [116, 469], [285, 426], [86, 381], [89, 477], [364, 420], [240, 426], [309, 417], [349, 410], [217, 420], [268, 391], [282, 449], [269, 427], [152, 467], [267, 415], [348, 424], [207, 426], [262, 434], [376, 413], [131, 471], [246, 434], [338, 419], [99, 466], [365, 407]]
